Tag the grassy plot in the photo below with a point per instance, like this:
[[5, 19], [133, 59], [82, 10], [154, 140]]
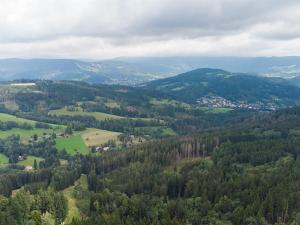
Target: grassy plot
[[7, 117], [80, 112], [3, 159], [112, 104], [216, 110], [73, 211], [72, 144], [96, 137], [82, 200], [158, 131], [168, 102], [29, 161], [81, 141], [26, 134]]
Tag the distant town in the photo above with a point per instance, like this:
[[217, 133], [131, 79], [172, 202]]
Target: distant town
[[219, 102]]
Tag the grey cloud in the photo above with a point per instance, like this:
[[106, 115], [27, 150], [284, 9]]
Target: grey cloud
[[103, 28]]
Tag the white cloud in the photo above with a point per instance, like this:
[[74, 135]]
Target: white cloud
[[111, 28]]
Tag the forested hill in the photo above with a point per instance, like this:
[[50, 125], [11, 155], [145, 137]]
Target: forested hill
[[234, 87], [229, 177]]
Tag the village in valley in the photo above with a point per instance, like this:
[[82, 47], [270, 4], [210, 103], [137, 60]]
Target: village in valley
[[219, 102]]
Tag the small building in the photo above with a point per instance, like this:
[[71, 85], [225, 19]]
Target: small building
[[28, 168], [98, 149], [105, 149]]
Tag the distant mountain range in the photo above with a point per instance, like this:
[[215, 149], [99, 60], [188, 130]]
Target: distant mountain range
[[137, 70], [110, 72], [219, 88]]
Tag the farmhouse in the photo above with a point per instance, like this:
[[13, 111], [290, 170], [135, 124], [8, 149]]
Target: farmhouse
[[28, 168], [105, 149]]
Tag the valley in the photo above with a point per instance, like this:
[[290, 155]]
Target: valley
[[207, 138]]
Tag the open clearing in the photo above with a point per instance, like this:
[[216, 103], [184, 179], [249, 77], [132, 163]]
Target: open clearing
[[29, 161], [162, 131], [7, 117], [72, 144], [3, 159], [94, 137], [73, 210], [98, 115], [81, 141], [216, 110], [26, 134], [4, 117]]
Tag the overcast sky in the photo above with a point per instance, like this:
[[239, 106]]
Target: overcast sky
[[97, 29]]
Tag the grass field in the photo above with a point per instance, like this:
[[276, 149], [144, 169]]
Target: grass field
[[97, 115], [112, 104], [26, 134], [96, 137], [166, 102], [30, 161], [3, 159], [73, 210], [81, 141], [7, 117], [162, 131], [216, 110], [72, 144]]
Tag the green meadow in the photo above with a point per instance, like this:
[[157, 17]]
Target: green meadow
[[96, 137], [216, 110], [7, 117], [25, 134], [72, 144], [3, 159], [80, 112], [29, 161]]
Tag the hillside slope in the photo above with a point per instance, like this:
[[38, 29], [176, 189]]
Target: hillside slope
[[66, 69], [222, 88]]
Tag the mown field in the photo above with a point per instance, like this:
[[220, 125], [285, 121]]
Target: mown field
[[81, 141], [96, 137], [72, 145], [73, 203], [7, 117], [216, 110], [161, 131], [3, 159], [25, 134], [80, 112], [29, 161]]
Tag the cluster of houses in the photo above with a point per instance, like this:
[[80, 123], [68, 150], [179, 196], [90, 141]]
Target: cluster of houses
[[215, 102], [100, 149], [36, 138], [219, 102]]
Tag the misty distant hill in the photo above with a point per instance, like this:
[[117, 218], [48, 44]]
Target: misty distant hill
[[285, 67], [135, 70], [110, 72]]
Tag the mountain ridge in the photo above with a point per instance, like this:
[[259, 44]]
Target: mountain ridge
[[239, 88]]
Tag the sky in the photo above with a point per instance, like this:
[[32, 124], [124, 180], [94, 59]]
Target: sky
[[100, 29]]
